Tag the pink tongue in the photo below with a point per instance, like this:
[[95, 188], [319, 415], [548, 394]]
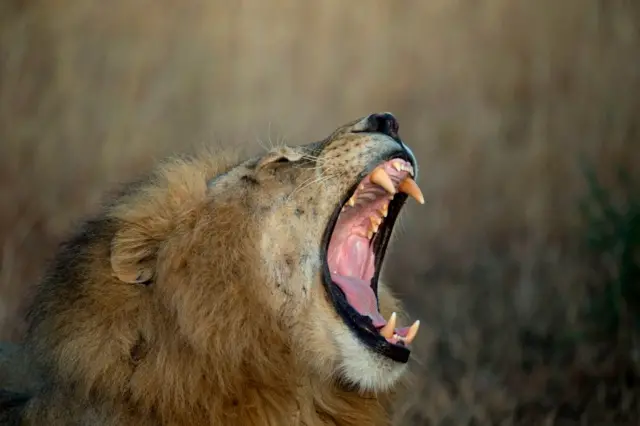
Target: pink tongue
[[351, 263], [360, 295]]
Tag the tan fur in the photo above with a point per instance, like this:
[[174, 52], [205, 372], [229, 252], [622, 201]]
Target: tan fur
[[195, 299]]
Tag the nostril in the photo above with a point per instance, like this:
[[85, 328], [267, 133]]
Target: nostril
[[383, 123]]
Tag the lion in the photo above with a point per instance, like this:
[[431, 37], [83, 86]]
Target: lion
[[221, 291]]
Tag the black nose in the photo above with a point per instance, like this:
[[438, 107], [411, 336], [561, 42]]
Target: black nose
[[383, 123]]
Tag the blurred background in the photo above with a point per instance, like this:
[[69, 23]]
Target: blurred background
[[524, 263]]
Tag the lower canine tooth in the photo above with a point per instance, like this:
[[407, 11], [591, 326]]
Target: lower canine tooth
[[413, 330], [388, 330]]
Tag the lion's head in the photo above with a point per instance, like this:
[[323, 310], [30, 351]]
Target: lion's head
[[269, 264], [318, 219]]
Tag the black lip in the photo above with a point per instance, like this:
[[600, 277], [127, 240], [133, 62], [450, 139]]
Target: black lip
[[361, 325]]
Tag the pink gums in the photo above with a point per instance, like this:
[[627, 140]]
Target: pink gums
[[350, 254]]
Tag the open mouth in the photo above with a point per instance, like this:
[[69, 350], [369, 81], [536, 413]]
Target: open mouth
[[356, 241]]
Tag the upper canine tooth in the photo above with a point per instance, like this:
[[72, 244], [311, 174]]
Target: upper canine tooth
[[380, 177], [409, 186]]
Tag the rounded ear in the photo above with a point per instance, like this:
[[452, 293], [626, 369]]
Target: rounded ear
[[279, 155], [133, 256]]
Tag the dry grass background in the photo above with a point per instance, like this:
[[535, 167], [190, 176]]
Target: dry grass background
[[500, 99]]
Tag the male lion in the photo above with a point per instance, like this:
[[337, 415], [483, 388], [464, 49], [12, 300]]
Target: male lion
[[231, 294]]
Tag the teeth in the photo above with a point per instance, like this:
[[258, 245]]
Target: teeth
[[400, 166], [409, 186], [352, 201], [389, 330], [380, 177], [413, 330], [375, 222], [375, 225], [384, 210]]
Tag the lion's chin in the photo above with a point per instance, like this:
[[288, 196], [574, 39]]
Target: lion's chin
[[363, 368]]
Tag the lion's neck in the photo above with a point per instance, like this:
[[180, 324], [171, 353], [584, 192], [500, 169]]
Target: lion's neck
[[281, 403], [265, 383], [267, 387]]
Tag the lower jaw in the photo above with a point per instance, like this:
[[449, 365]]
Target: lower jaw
[[379, 375], [361, 326]]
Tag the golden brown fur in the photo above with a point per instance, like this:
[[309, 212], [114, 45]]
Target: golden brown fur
[[195, 299]]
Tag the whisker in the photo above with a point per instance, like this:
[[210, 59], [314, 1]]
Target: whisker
[[314, 181], [306, 165], [307, 182], [269, 136], [314, 159], [322, 180], [262, 145]]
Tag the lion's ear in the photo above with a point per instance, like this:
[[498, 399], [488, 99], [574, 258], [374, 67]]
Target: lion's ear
[[133, 256], [282, 154]]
